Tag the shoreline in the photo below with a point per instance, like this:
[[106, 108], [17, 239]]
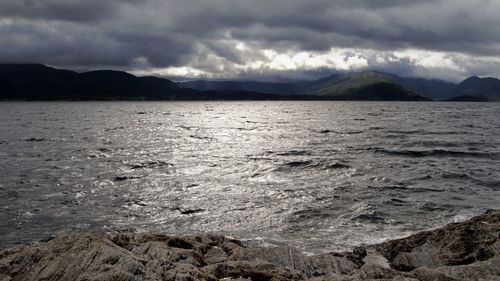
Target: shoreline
[[468, 250]]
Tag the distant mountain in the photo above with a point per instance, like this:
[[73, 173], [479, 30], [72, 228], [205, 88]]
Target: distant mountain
[[254, 86], [40, 82], [103, 84], [6, 86], [346, 84], [469, 98], [338, 86], [478, 87], [431, 88], [18, 73], [45, 83], [366, 85], [383, 91]]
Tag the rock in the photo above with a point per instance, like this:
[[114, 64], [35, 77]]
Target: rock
[[255, 270], [327, 264], [282, 256], [374, 258], [454, 244], [215, 255], [458, 251]]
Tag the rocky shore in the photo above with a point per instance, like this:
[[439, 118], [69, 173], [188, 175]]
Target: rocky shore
[[458, 251]]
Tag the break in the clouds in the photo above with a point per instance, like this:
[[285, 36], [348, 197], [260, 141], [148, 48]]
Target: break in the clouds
[[256, 39]]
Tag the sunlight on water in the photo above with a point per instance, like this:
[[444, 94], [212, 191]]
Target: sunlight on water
[[319, 175]]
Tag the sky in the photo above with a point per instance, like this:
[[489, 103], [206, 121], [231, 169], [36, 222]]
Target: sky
[[268, 40]]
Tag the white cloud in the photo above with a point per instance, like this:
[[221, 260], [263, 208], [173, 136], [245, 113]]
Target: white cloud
[[411, 62]]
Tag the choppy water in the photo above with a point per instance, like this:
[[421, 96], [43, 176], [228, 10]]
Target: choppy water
[[319, 175]]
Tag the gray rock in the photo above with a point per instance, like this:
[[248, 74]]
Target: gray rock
[[282, 256], [215, 255], [327, 264], [459, 251], [453, 245]]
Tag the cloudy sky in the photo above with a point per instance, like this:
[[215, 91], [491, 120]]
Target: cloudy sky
[[256, 39]]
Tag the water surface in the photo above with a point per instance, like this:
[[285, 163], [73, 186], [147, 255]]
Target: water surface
[[318, 175]]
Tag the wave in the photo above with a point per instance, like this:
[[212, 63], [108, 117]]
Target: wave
[[114, 129], [292, 153], [298, 163], [187, 211], [339, 132], [310, 213], [451, 175], [430, 207], [405, 188], [185, 127], [397, 202], [418, 131], [283, 153], [371, 217], [199, 137], [125, 178], [424, 132], [149, 165], [312, 164], [436, 153], [491, 184]]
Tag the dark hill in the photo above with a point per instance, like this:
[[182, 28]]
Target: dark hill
[[39, 82], [6, 86], [17, 73], [104, 84], [253, 86], [431, 88], [384, 91], [469, 98], [345, 84], [367, 85], [477, 87]]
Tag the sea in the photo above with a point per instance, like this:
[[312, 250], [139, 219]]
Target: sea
[[317, 175]]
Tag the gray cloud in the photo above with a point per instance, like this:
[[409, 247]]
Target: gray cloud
[[68, 10], [207, 35]]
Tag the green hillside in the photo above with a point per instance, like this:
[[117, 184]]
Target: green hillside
[[340, 85]]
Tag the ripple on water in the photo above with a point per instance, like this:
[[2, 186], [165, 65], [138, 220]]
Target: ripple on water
[[318, 175]]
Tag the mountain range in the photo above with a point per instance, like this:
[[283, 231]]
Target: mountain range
[[335, 85], [349, 85], [479, 88], [40, 82]]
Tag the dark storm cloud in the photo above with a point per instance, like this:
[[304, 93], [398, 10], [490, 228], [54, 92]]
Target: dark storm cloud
[[206, 34], [69, 10], [27, 42], [439, 25]]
